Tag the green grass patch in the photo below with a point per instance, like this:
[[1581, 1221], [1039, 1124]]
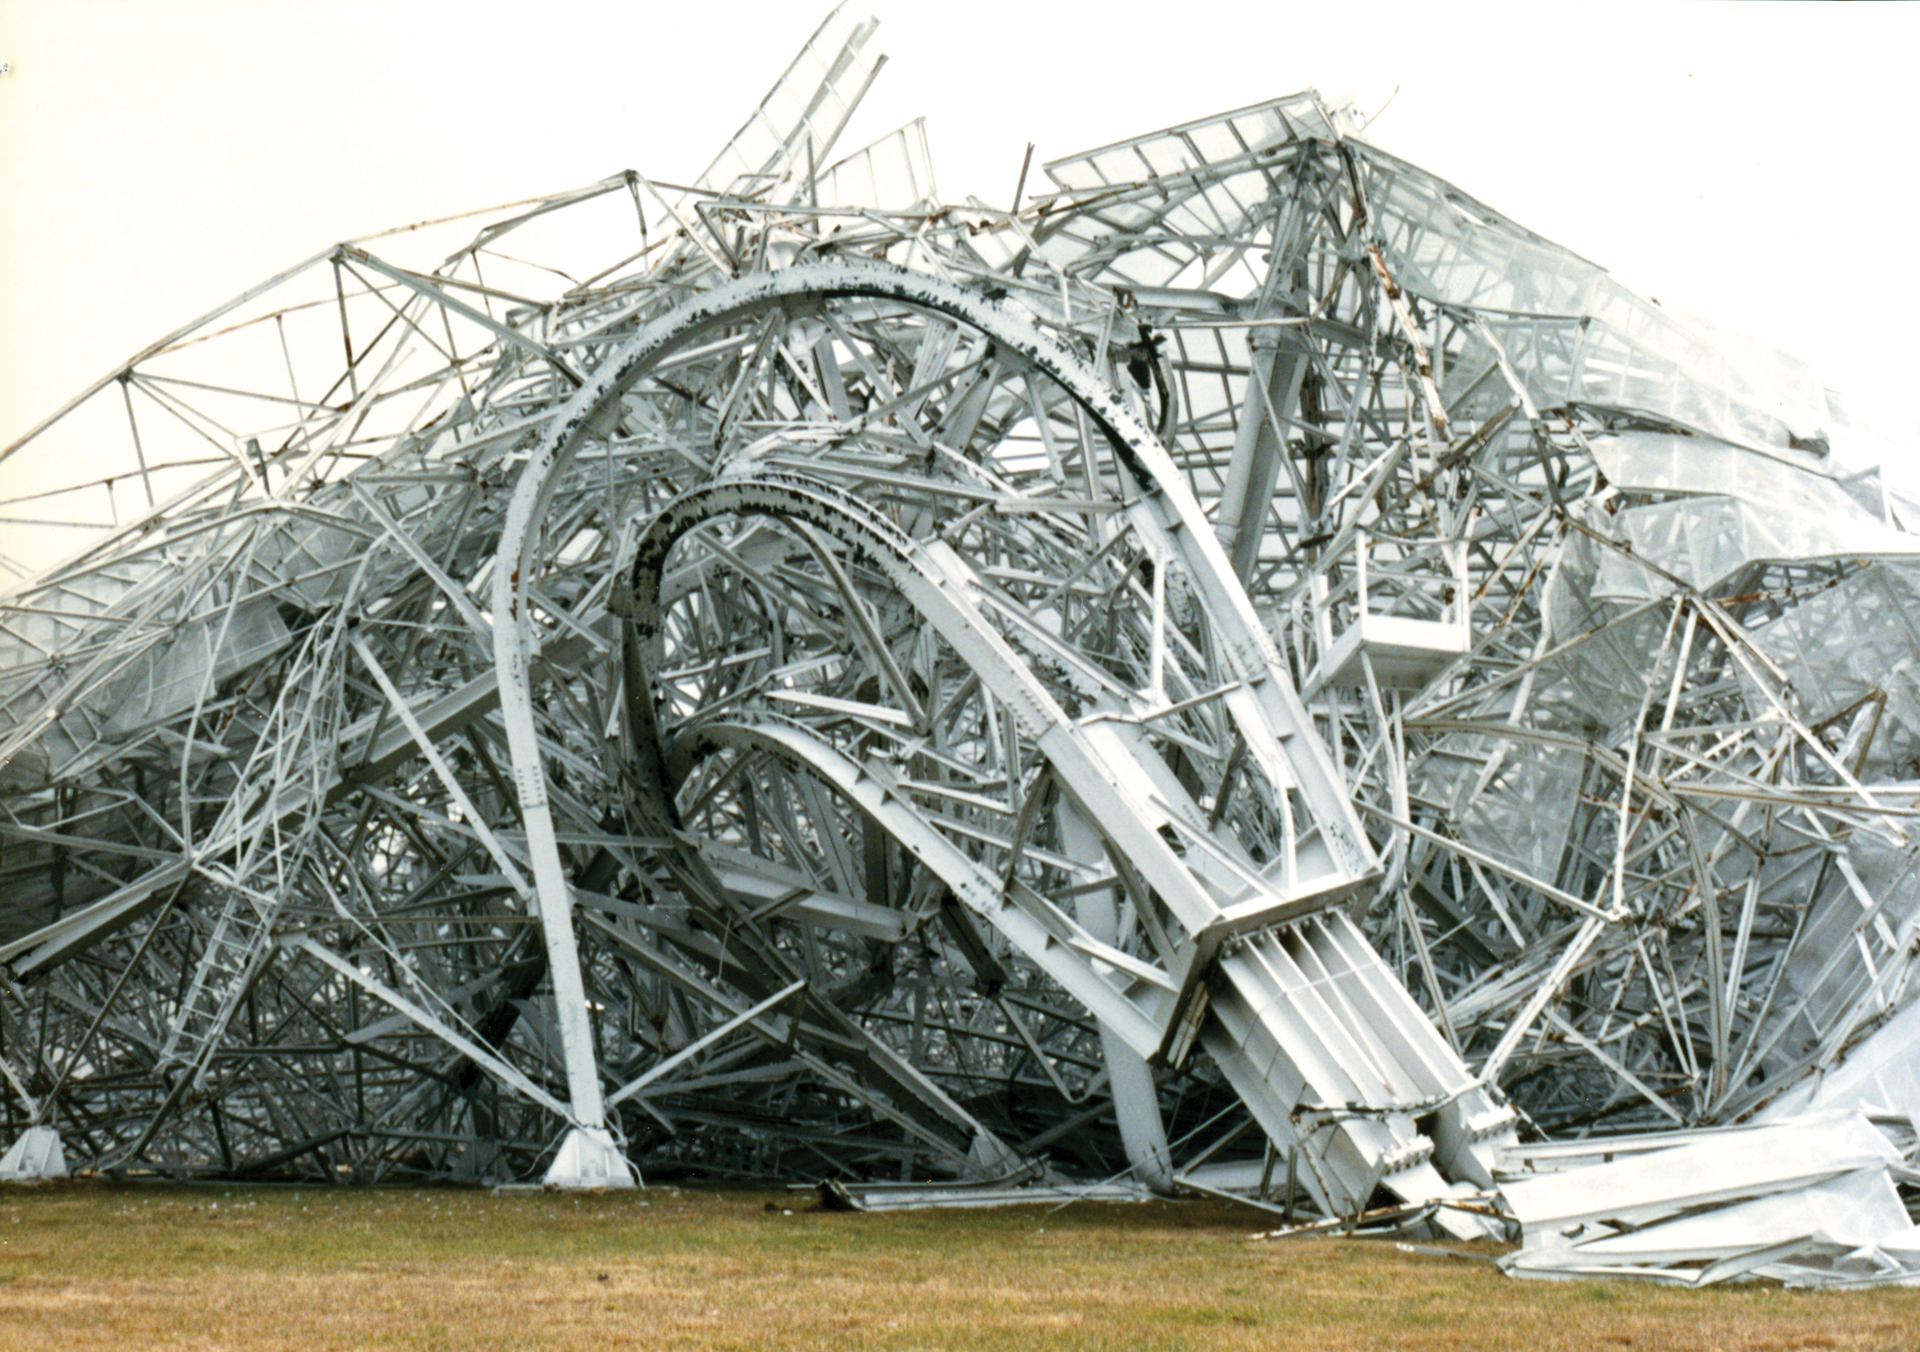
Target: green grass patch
[[90, 1265]]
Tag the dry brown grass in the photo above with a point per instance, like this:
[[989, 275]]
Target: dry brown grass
[[87, 1266]]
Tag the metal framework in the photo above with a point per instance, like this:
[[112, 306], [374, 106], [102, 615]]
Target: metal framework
[[1249, 670]]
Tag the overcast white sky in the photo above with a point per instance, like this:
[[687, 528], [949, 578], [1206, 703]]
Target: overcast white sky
[[1750, 162]]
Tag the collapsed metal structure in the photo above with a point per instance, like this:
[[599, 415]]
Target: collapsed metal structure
[[1247, 669]]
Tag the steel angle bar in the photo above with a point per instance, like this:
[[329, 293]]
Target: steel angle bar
[[435, 291], [818, 1063], [1059, 946], [666, 1067], [501, 1070], [425, 745]]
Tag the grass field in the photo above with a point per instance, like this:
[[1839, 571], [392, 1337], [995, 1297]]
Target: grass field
[[85, 1266]]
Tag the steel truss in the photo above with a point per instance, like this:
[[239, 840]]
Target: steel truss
[[783, 676]]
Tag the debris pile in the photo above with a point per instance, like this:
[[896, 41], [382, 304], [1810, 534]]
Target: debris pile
[[1249, 671]]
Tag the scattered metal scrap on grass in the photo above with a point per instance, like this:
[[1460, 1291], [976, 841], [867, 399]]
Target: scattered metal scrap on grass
[[1250, 663]]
